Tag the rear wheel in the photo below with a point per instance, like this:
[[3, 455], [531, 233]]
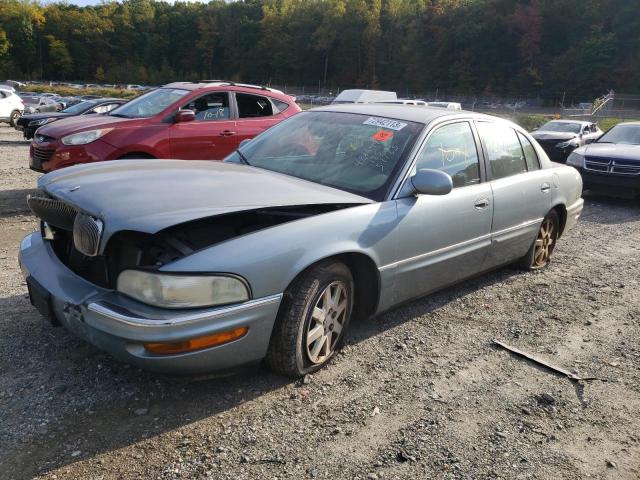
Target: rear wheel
[[539, 255], [13, 118], [313, 320]]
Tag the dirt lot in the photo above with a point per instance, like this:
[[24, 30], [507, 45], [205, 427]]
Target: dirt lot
[[420, 392]]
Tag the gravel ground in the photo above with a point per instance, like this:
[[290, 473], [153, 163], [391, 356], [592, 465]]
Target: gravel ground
[[420, 392]]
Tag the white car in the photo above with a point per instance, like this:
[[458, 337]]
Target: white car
[[11, 107]]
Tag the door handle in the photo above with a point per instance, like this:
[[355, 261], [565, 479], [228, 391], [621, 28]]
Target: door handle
[[481, 203], [545, 187], [227, 133]]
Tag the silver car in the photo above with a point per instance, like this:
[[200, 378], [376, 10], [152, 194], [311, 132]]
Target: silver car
[[340, 212]]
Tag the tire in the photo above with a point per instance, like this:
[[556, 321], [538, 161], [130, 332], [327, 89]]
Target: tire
[[307, 319], [13, 118], [539, 254]]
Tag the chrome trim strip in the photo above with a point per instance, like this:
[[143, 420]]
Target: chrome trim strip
[[105, 310], [461, 244]]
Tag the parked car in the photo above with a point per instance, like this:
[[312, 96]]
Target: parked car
[[65, 102], [198, 121], [561, 137], [612, 163], [364, 96], [339, 212], [401, 101], [11, 107], [447, 105], [28, 124], [40, 104]]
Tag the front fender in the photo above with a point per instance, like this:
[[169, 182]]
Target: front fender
[[270, 259]]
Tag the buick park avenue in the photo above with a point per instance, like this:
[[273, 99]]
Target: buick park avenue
[[335, 214]]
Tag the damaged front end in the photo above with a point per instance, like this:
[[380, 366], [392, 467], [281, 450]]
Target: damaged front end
[[76, 236]]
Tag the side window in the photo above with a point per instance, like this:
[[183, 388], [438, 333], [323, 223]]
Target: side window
[[505, 153], [530, 155], [279, 105], [251, 106], [452, 149], [210, 107]]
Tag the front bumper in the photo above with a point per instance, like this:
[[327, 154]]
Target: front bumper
[[120, 325], [557, 154], [623, 185], [49, 156]]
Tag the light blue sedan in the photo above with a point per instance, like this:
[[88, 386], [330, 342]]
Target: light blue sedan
[[340, 212]]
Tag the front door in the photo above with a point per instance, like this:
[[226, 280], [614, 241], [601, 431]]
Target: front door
[[212, 135], [443, 239]]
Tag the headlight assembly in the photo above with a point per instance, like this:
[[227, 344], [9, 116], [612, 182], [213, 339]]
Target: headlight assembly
[[576, 160], [42, 121], [182, 291], [83, 138]]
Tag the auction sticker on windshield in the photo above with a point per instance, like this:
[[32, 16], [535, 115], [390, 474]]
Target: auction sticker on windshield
[[385, 123]]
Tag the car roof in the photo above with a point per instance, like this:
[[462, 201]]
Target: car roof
[[218, 84], [411, 113], [636, 123], [582, 122]]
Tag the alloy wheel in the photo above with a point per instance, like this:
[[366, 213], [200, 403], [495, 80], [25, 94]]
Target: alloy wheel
[[327, 321], [545, 242]]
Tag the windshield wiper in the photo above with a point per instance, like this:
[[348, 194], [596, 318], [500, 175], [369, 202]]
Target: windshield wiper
[[120, 115], [242, 157]]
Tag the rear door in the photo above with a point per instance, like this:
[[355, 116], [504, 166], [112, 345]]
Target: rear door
[[443, 239], [256, 113], [521, 191], [212, 135]]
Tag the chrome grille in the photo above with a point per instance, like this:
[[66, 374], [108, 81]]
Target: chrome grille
[[86, 234], [54, 212], [612, 165]]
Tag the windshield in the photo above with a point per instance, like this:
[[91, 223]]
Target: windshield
[[561, 127], [78, 108], [149, 104], [625, 134], [357, 153]]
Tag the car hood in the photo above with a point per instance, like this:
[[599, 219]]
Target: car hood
[[611, 150], [553, 135], [151, 195], [85, 122], [38, 116]]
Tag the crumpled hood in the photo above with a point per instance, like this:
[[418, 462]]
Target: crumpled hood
[[151, 195], [611, 150], [553, 135], [79, 123]]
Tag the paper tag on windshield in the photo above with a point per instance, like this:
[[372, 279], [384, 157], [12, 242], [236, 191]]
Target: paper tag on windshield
[[385, 123]]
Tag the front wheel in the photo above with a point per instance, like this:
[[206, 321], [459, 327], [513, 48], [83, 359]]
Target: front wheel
[[539, 255], [313, 319]]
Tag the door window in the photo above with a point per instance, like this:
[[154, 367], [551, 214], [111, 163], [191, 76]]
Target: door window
[[530, 155], [503, 147], [452, 149], [210, 107], [251, 106]]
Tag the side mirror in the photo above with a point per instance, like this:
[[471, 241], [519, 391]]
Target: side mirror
[[185, 116], [431, 182]]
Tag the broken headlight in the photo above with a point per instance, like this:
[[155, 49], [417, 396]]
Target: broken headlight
[[182, 291]]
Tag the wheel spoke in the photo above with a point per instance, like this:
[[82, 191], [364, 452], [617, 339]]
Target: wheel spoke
[[315, 334], [337, 327], [313, 354], [341, 308], [539, 243], [319, 314]]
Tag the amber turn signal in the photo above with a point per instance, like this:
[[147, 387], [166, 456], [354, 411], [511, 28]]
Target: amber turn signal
[[196, 343]]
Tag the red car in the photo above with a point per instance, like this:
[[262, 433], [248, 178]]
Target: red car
[[191, 121]]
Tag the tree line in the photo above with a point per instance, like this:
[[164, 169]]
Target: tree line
[[537, 47]]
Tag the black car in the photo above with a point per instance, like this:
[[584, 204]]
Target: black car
[[612, 164], [561, 137], [28, 124]]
